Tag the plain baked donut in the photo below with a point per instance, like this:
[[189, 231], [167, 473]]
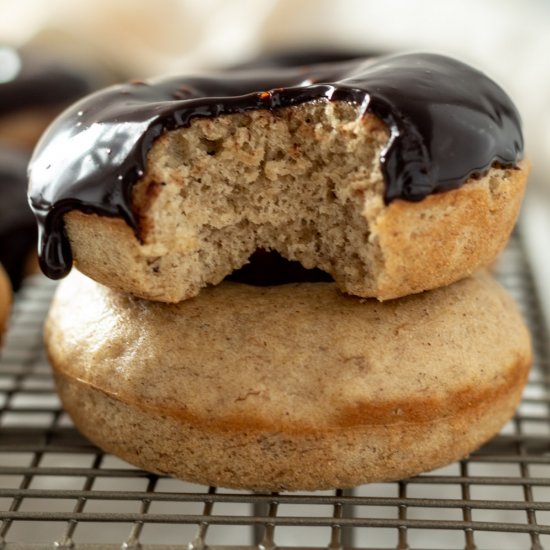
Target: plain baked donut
[[291, 387], [5, 300], [394, 176]]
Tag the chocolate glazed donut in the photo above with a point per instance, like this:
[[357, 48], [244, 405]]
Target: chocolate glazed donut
[[446, 120]]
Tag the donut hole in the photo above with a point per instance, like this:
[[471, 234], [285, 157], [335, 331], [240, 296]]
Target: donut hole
[[269, 268]]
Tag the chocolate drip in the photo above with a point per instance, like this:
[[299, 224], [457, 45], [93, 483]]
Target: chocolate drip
[[446, 120]]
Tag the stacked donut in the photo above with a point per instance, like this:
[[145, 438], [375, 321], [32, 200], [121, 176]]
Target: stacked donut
[[281, 287]]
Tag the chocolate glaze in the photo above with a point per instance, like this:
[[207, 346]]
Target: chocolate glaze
[[447, 121], [17, 225]]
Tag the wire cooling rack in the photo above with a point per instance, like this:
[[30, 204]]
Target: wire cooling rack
[[59, 491]]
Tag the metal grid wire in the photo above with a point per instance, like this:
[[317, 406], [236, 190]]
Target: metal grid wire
[[59, 491]]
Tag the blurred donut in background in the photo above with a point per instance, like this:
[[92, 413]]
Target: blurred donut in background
[[33, 90], [17, 225], [5, 301], [308, 55], [36, 84]]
